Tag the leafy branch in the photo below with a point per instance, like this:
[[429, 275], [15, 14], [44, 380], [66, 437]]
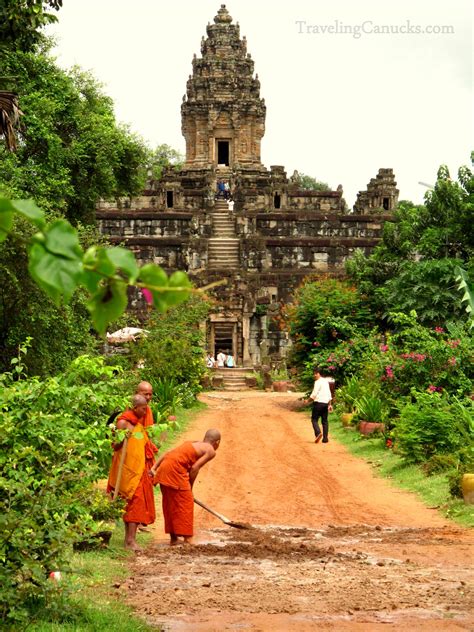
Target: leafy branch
[[59, 266], [468, 296]]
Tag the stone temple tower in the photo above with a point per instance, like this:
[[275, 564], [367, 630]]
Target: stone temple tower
[[269, 237], [223, 116]]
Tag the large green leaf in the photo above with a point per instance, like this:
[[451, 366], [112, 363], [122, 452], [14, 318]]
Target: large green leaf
[[108, 304], [155, 277], [97, 266], [56, 275], [28, 209], [125, 260], [178, 280], [62, 239], [6, 218]]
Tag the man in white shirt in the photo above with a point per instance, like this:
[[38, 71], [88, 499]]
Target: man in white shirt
[[321, 398], [221, 358]]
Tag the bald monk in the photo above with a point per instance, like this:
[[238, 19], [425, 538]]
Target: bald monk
[[145, 389], [135, 484], [176, 472]]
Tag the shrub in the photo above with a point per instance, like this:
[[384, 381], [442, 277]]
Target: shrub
[[432, 425], [347, 395], [174, 349], [53, 447], [371, 408]]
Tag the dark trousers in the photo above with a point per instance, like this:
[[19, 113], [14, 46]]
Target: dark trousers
[[320, 410]]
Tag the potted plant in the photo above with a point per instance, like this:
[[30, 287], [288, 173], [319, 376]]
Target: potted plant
[[372, 412], [346, 398]]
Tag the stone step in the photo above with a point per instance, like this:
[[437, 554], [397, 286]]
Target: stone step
[[224, 241]]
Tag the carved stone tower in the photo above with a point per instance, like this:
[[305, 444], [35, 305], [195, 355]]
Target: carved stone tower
[[269, 236], [223, 116], [381, 195]]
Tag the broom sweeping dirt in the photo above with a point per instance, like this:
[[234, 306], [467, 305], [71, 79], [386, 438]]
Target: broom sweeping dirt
[[230, 523]]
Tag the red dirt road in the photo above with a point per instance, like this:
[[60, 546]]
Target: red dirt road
[[334, 548]]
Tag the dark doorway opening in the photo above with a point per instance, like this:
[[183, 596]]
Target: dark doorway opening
[[169, 199], [223, 152], [277, 200], [223, 339], [386, 204]]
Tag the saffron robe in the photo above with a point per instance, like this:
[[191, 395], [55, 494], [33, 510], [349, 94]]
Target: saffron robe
[[136, 484], [177, 497]]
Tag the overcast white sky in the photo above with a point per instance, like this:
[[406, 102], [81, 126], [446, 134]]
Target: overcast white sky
[[338, 106]]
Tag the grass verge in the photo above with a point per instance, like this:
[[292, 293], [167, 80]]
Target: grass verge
[[433, 490], [90, 598]]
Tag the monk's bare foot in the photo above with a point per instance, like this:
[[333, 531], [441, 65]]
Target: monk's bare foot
[[133, 546], [188, 541]]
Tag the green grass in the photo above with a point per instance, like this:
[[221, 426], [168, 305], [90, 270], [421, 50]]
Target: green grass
[[432, 490], [90, 602]]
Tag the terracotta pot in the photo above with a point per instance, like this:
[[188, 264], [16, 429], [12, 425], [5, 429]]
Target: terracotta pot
[[369, 427], [467, 487], [346, 419]]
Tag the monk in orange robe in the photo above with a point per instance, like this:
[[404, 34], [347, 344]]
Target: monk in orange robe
[[135, 484], [176, 472], [145, 389]]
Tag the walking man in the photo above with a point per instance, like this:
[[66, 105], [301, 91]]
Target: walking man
[[321, 397]]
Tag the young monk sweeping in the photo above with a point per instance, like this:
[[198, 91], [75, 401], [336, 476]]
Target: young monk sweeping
[[137, 458], [176, 472]]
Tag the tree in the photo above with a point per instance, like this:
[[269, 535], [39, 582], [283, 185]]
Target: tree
[[71, 151], [164, 157], [309, 183], [413, 267], [324, 313], [21, 21]]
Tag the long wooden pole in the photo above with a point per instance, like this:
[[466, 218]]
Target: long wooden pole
[[119, 473]]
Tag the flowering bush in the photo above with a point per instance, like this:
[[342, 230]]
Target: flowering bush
[[433, 360]]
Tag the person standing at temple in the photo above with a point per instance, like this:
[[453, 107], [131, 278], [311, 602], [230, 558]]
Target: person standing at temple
[[221, 358]]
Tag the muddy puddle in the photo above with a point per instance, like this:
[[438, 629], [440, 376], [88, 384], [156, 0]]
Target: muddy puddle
[[291, 578]]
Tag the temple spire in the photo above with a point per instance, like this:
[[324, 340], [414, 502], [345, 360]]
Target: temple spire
[[223, 116]]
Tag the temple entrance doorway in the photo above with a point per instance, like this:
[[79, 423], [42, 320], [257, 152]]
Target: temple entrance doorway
[[223, 152], [223, 337]]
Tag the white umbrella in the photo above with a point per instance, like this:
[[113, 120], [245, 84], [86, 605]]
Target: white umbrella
[[127, 334]]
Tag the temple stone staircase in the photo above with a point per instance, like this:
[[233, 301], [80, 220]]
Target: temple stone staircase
[[223, 246], [233, 379]]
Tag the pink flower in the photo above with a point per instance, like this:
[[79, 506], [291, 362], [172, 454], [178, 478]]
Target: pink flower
[[316, 344], [453, 343], [147, 296], [439, 330], [452, 361], [432, 388], [383, 348], [331, 367]]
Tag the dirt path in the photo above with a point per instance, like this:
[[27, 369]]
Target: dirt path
[[333, 549]]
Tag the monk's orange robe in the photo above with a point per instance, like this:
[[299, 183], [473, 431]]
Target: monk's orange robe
[[177, 497], [148, 418], [136, 484]]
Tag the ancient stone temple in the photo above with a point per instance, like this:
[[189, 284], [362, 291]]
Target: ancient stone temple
[[270, 235], [381, 194]]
